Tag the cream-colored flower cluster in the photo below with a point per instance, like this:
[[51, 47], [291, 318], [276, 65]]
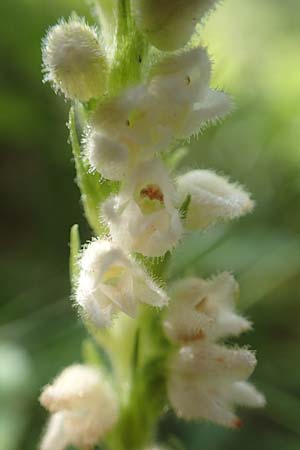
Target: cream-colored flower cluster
[[128, 131], [206, 377]]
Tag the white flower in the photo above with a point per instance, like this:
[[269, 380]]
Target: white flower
[[131, 120], [111, 281], [181, 84], [142, 218], [207, 380], [169, 24], [84, 408], [74, 61], [204, 309], [213, 198]]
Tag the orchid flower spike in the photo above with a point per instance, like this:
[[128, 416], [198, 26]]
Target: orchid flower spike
[[83, 408], [111, 281], [143, 217], [213, 198], [74, 61], [204, 309]]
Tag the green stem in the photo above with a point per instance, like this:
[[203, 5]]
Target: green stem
[[130, 52], [146, 396]]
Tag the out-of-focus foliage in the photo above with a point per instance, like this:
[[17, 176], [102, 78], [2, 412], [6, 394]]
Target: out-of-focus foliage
[[255, 46]]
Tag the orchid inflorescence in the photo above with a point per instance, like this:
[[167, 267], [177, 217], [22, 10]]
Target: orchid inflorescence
[[139, 83]]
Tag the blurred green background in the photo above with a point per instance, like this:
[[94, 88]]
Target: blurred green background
[[255, 47]]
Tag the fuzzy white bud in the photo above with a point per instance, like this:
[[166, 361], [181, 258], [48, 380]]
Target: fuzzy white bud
[[143, 218], [111, 281], [213, 198], [169, 24], [204, 309], [74, 61], [84, 408]]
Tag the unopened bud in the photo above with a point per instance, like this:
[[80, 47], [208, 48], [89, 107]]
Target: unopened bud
[[169, 24], [74, 61], [213, 198]]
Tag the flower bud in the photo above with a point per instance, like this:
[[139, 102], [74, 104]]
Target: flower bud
[[74, 61], [213, 198], [84, 408], [169, 24]]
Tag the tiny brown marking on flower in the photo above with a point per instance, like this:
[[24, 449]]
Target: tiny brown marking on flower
[[152, 192], [196, 337], [220, 359], [201, 304], [238, 423]]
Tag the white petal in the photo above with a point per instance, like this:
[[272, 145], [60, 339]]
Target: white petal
[[230, 324], [132, 119], [54, 437], [208, 360], [191, 401], [183, 321], [182, 78], [213, 198], [214, 105], [245, 394], [109, 157]]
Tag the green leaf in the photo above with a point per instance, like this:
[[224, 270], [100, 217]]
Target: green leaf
[[174, 158], [94, 189], [157, 266], [74, 253], [95, 356], [184, 207]]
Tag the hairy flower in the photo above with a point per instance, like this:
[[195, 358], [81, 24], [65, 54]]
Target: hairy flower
[[74, 61], [130, 119], [142, 218], [204, 309], [213, 198], [111, 281], [207, 380], [84, 408], [180, 82], [169, 24]]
